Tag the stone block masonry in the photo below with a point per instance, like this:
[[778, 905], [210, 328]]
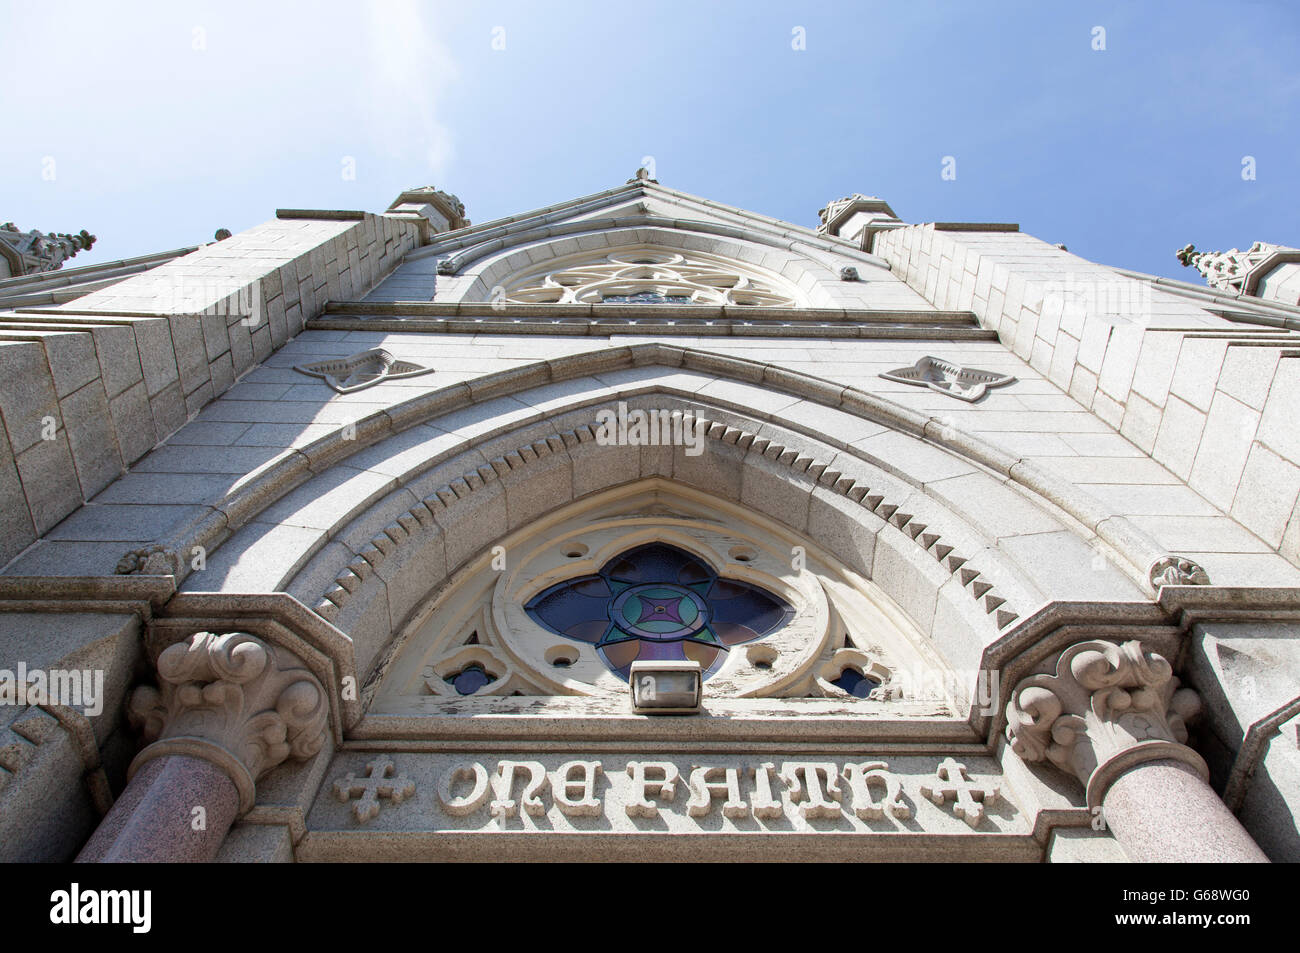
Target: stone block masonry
[[1210, 398], [89, 388]]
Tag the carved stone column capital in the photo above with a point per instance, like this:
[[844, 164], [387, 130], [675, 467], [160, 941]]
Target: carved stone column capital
[[1107, 708], [234, 700]]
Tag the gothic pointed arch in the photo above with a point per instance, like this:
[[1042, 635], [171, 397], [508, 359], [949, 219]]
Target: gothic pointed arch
[[651, 570]]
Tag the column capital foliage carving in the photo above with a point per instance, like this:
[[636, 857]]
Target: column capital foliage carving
[[234, 700], [1107, 708], [1176, 571]]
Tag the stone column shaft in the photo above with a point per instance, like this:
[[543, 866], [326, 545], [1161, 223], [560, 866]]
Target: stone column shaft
[[155, 821], [1163, 811]]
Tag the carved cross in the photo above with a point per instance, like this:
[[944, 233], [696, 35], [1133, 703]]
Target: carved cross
[[953, 785], [378, 782]]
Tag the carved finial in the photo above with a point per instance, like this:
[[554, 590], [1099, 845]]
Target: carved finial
[[1107, 708], [1229, 270], [36, 251], [1188, 255], [235, 700]]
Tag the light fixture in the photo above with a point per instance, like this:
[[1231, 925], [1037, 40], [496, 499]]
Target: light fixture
[[665, 688]]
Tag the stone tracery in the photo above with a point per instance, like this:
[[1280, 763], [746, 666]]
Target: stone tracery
[[801, 649], [648, 275], [659, 602]]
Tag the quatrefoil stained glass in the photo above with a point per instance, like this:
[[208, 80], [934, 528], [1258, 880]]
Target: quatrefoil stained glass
[[658, 602]]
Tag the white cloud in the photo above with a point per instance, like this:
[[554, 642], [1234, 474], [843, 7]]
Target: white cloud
[[409, 74]]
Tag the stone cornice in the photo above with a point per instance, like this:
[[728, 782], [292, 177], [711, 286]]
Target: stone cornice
[[141, 594], [1107, 708], [1136, 547], [664, 321], [566, 214], [1192, 604]]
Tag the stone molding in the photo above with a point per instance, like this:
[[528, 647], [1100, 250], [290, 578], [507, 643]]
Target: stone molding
[[1108, 708], [238, 507], [573, 217], [234, 700], [694, 320], [421, 515]]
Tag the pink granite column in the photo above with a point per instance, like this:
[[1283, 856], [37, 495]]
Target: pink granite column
[[154, 821], [1162, 811], [1114, 717]]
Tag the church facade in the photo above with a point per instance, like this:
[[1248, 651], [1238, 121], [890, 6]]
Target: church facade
[[645, 527]]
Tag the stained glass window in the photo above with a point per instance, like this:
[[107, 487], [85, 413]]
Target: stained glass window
[[658, 602], [855, 683], [469, 679]]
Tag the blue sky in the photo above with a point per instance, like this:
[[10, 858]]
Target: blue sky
[[153, 124]]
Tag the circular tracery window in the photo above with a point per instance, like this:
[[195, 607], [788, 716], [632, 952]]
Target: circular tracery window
[[649, 276], [653, 572], [659, 603]]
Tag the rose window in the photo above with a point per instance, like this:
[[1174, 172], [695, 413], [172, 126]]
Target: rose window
[[650, 276], [657, 602]]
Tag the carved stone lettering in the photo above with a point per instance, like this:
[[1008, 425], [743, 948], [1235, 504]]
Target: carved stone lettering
[[463, 805], [783, 792], [704, 790], [503, 805], [762, 801], [861, 777], [814, 800], [564, 783], [378, 782], [665, 786]]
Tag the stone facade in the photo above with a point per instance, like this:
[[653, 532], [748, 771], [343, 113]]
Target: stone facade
[[1032, 523]]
